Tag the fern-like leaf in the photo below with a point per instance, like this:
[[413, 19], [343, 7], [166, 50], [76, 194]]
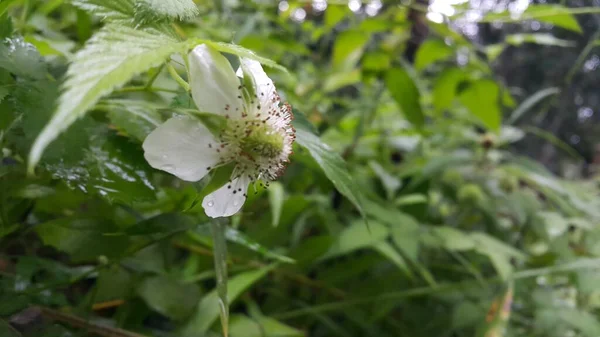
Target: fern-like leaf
[[110, 59]]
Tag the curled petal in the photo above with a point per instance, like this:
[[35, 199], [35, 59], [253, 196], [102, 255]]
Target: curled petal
[[180, 146], [213, 82], [227, 200], [265, 89]]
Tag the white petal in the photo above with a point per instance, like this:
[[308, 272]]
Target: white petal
[[265, 89], [224, 202], [180, 147], [213, 82]]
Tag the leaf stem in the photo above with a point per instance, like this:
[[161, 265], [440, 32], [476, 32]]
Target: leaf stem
[[144, 88], [178, 78], [153, 78]]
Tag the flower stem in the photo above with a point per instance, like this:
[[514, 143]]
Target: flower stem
[[218, 228], [178, 78], [153, 78]]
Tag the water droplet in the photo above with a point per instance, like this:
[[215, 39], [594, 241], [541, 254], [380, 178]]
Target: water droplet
[[164, 156], [236, 202], [210, 204], [168, 168]]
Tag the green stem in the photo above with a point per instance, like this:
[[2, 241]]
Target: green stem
[[144, 88], [218, 228], [153, 78], [178, 78]]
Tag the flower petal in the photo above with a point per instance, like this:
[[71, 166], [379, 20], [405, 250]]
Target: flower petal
[[265, 89], [213, 82], [180, 146], [227, 200]]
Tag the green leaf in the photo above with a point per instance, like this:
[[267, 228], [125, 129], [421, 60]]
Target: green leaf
[[391, 183], [554, 14], [240, 238], [492, 51], [276, 199], [273, 327], [172, 9], [113, 167], [109, 10], [332, 165], [559, 143], [538, 38], [235, 236], [83, 239], [376, 61], [243, 326], [445, 86], [357, 236], [404, 91], [498, 252], [110, 58], [453, 239], [530, 102], [431, 51], [207, 310], [166, 223], [6, 27], [482, 100], [583, 321], [334, 14], [243, 52], [169, 297], [339, 80], [5, 5], [21, 58], [348, 49], [134, 118], [392, 254]]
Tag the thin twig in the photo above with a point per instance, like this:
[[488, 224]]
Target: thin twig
[[80, 323]]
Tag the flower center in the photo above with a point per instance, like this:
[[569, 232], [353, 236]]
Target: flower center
[[262, 142]]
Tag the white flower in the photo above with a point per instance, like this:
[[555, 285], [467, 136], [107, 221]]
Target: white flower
[[258, 136]]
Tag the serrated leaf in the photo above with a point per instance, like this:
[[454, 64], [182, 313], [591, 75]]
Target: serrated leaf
[[332, 164], [133, 118], [404, 91], [172, 9], [113, 167], [110, 10], [109, 59], [21, 58]]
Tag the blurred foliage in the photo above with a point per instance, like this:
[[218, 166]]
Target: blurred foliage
[[402, 121]]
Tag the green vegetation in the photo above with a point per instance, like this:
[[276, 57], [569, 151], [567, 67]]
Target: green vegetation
[[419, 199]]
